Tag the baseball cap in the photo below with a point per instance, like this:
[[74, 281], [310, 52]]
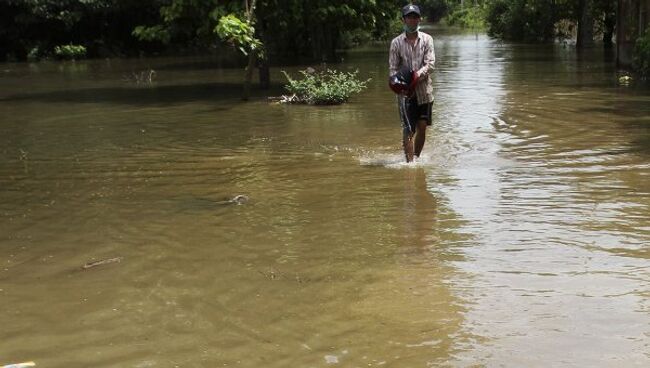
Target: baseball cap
[[410, 9]]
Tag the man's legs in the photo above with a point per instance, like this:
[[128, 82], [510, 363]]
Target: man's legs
[[407, 143], [413, 137], [412, 148], [419, 137]]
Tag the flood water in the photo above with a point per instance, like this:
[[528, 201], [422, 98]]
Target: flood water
[[521, 238]]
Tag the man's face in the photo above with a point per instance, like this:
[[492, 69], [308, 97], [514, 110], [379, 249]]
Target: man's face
[[411, 20]]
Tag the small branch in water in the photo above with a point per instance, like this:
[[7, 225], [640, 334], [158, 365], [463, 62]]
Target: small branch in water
[[143, 77], [239, 199], [286, 99], [275, 274], [23, 158], [101, 262]]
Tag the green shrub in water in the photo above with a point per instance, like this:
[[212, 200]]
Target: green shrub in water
[[642, 55], [472, 17], [34, 54], [329, 87], [70, 51]]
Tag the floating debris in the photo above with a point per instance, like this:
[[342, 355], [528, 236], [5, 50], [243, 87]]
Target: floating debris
[[101, 263], [239, 199], [285, 99], [20, 365]]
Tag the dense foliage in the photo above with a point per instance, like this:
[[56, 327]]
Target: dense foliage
[[546, 20], [328, 87], [533, 20], [435, 10], [286, 29], [313, 29], [642, 55], [522, 20], [468, 17], [35, 27]]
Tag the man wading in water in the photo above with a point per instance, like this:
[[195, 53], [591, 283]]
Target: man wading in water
[[411, 60]]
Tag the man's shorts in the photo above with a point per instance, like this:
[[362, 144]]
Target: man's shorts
[[410, 112]]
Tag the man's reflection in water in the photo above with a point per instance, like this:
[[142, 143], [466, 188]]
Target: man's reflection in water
[[416, 317], [420, 211]]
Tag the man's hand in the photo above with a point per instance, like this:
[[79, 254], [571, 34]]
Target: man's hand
[[414, 81]]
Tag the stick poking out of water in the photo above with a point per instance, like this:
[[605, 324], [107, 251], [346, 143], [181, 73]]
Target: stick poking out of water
[[101, 262]]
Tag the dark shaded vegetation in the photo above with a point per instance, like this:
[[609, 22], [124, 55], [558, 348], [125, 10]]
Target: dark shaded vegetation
[[312, 29]]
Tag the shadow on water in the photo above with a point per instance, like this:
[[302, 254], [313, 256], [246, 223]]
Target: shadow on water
[[146, 95], [203, 65], [642, 143], [419, 211]]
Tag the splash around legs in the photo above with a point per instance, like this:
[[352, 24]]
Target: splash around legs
[[407, 143], [413, 143]]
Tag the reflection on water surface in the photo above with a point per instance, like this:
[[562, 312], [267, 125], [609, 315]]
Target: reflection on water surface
[[520, 238]]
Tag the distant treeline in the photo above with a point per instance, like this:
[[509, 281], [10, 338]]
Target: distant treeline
[[584, 21], [287, 29], [534, 20], [313, 29]]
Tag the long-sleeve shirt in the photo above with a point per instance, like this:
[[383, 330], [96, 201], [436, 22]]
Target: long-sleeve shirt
[[419, 56]]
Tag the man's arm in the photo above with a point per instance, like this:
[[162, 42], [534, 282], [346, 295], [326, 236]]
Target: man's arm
[[429, 60], [393, 58]]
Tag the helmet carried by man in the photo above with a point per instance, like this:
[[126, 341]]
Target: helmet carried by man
[[404, 81]]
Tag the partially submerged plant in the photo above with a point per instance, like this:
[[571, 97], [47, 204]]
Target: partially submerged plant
[[70, 51], [329, 87]]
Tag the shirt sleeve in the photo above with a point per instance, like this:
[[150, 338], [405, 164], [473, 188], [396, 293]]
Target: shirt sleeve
[[393, 58], [429, 59]]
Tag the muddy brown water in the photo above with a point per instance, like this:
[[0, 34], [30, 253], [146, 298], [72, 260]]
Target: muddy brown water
[[521, 238]]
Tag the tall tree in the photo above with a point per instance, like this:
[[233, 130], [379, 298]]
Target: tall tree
[[585, 23], [522, 20], [289, 29], [605, 12], [253, 54]]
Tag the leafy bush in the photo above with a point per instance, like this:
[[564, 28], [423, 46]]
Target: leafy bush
[[151, 34], [642, 55], [329, 87], [34, 53], [70, 51], [521, 20], [468, 17]]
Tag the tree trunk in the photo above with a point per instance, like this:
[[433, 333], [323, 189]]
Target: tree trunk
[[248, 77], [585, 24], [263, 61], [608, 34], [265, 73]]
